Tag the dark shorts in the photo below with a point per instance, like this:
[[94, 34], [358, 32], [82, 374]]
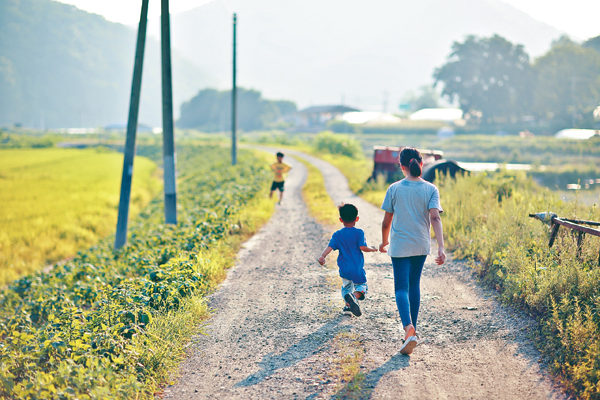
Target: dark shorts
[[277, 185]]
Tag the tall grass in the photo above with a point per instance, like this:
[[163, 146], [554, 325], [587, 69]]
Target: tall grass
[[486, 221], [56, 202]]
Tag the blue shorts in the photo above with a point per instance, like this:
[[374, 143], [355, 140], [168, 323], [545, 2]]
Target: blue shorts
[[350, 287]]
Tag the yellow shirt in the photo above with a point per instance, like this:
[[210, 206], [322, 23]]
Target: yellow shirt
[[280, 170]]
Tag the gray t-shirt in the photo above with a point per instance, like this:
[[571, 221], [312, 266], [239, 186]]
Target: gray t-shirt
[[410, 202]]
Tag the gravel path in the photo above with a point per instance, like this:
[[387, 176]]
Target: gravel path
[[278, 312]]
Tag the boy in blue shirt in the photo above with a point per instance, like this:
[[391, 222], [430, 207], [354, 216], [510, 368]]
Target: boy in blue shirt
[[350, 242]]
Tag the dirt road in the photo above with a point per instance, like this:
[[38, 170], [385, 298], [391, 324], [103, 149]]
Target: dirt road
[[277, 327]]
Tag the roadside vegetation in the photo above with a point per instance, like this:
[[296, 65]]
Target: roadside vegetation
[[24, 138], [486, 221], [59, 201], [113, 324]]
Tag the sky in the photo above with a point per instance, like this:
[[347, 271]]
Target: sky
[[579, 18]]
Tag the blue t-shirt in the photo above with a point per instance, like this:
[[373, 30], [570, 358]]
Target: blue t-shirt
[[351, 261], [410, 202]]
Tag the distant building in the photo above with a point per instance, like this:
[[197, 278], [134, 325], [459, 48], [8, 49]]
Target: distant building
[[316, 117]]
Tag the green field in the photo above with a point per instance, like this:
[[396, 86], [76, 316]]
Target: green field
[[56, 202], [113, 323]]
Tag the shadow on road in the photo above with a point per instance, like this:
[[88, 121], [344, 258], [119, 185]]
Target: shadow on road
[[362, 386], [295, 353]]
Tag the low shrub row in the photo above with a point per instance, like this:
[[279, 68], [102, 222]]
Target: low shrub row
[[108, 323]]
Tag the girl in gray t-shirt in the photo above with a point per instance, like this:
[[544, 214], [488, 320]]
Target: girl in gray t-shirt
[[411, 206]]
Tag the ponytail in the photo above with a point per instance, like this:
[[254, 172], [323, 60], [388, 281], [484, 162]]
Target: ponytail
[[415, 167], [411, 159]]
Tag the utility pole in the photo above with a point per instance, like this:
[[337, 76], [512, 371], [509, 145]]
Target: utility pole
[[167, 107], [573, 113], [132, 122], [234, 98], [574, 80], [385, 100]]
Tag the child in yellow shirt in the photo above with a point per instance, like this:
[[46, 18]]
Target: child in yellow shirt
[[280, 169]]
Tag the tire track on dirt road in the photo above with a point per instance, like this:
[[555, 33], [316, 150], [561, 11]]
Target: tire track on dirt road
[[276, 316]]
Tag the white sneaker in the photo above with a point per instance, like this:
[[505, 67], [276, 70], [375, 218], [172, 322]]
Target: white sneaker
[[409, 345]]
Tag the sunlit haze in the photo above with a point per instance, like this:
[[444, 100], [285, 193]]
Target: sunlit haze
[[579, 18], [128, 12]]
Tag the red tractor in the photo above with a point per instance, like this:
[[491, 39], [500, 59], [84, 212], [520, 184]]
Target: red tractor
[[386, 163]]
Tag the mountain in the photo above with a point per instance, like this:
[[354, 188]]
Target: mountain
[[63, 67], [320, 51]]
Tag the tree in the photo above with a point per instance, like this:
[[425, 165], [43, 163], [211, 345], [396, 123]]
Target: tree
[[490, 76], [592, 43], [210, 110], [425, 97], [569, 83]]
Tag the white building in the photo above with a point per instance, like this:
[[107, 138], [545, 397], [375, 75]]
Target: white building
[[576, 134], [370, 118], [437, 114]]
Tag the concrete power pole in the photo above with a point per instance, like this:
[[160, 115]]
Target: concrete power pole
[[169, 160], [134, 106], [234, 98]]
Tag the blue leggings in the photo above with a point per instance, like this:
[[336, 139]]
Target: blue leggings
[[407, 281]]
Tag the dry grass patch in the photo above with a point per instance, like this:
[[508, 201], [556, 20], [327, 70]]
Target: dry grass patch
[[346, 371], [316, 198]]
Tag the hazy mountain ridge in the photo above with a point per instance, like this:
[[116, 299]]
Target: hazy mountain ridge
[[64, 67], [318, 51]]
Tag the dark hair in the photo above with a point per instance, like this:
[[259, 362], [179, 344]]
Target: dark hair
[[280, 154], [411, 159], [348, 212]]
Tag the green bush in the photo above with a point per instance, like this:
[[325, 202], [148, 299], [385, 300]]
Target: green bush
[[278, 137], [486, 221], [85, 329], [328, 142], [340, 126]]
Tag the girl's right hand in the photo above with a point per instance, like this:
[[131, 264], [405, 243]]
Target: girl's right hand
[[441, 258], [382, 247]]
